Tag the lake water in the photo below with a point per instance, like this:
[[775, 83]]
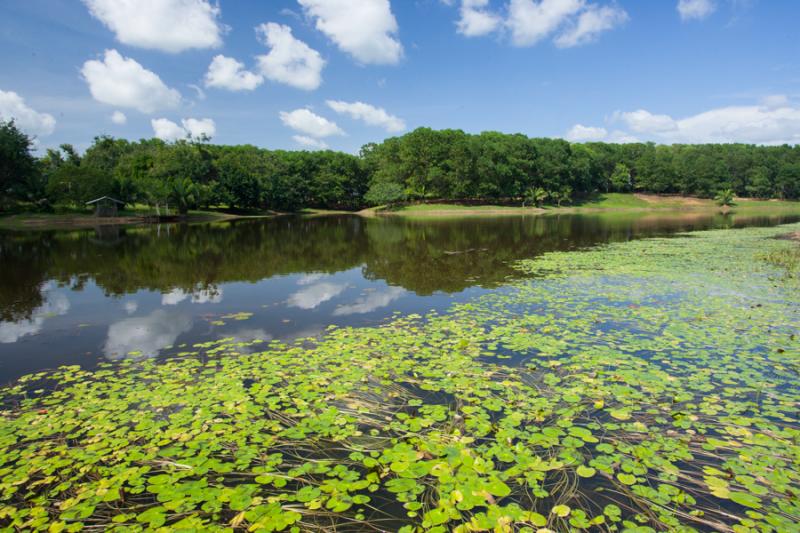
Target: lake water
[[80, 297]]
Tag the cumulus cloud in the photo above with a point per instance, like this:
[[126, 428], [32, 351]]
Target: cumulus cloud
[[310, 124], [167, 25], [309, 142], [169, 131], [591, 22], [290, 60], [477, 19], [145, 336], [166, 130], [55, 304], [314, 295], [581, 133], [199, 127], [118, 117], [695, 9], [776, 120], [13, 107], [365, 29], [122, 82], [228, 73], [371, 302], [530, 21], [374, 116], [642, 121], [571, 22]]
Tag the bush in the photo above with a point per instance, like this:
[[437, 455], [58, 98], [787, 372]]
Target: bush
[[385, 193]]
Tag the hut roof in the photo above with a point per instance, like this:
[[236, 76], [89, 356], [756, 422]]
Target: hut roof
[[96, 200]]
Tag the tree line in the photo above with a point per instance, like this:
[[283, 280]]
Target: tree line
[[422, 165]]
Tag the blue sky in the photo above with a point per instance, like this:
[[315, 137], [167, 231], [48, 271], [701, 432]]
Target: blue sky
[[341, 73]]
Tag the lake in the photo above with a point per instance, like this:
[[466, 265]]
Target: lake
[[618, 372], [86, 296]]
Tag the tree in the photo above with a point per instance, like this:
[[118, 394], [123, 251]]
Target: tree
[[183, 193], [535, 196], [18, 169], [621, 180], [75, 185], [385, 193], [724, 198]]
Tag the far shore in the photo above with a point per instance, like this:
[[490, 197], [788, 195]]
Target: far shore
[[613, 202]]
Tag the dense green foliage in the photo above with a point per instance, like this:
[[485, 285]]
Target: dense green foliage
[[642, 386], [17, 165], [422, 165]]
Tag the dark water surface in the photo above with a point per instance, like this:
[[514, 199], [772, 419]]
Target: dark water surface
[[79, 297]]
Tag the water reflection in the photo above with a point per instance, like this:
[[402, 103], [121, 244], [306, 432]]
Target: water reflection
[[367, 304], [55, 304], [145, 336], [313, 295], [142, 289]]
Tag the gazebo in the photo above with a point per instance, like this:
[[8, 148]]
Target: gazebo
[[105, 206]]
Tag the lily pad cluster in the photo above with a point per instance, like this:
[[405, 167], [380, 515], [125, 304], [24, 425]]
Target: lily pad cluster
[[643, 386]]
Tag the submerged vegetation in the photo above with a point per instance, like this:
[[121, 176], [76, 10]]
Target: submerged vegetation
[[640, 386]]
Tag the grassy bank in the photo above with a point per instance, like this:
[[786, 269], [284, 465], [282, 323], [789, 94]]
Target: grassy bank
[[604, 202], [76, 219], [612, 202]]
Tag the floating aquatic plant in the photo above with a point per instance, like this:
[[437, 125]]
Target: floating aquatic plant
[[641, 386]]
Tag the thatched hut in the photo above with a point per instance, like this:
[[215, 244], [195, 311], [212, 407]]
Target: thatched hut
[[105, 206]]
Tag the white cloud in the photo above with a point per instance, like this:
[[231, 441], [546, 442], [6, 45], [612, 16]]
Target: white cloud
[[312, 296], [581, 133], [131, 306], [145, 336], [290, 60], [118, 117], [13, 106], [199, 127], [695, 9], [310, 124], [167, 25], [374, 116], [365, 29], [476, 19], [773, 101], [121, 81], [642, 121], [166, 130], [776, 121], [591, 22], [367, 304], [11, 332], [310, 142], [169, 131], [530, 21], [228, 73], [572, 22]]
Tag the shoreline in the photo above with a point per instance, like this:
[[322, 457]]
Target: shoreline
[[621, 203]]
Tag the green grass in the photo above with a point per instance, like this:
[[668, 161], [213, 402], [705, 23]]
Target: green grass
[[614, 200], [605, 201]]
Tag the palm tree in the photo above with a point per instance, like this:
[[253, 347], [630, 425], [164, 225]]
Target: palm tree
[[724, 198], [184, 193]]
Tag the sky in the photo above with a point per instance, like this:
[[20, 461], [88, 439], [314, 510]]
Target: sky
[[312, 74]]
